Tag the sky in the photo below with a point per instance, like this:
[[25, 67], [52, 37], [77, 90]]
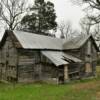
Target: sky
[[65, 11]]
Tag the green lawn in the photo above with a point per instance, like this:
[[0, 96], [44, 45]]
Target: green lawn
[[79, 90]]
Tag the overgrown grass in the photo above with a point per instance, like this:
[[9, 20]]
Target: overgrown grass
[[88, 89]]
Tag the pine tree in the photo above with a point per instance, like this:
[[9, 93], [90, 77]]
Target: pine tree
[[42, 19]]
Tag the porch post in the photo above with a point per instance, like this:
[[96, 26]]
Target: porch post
[[66, 77]]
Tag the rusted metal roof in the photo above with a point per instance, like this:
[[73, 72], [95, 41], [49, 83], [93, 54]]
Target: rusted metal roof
[[60, 58]]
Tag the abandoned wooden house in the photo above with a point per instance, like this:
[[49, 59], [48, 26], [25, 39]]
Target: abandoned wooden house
[[28, 57]]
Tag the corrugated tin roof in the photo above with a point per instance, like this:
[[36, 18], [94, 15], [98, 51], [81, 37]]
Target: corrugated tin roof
[[34, 41], [70, 57], [57, 57], [75, 42]]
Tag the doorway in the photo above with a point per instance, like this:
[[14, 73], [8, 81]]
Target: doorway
[[61, 74]]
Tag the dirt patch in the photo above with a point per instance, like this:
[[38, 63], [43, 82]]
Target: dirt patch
[[98, 95], [89, 85]]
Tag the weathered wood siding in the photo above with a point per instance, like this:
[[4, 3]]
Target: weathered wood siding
[[33, 66], [88, 54], [28, 61], [8, 61], [24, 65], [49, 70]]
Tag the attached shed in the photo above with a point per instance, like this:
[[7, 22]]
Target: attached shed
[[86, 49], [28, 57]]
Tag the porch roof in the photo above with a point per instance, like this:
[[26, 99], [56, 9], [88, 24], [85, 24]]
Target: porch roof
[[60, 58]]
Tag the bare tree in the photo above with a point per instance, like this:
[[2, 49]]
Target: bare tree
[[85, 24], [65, 29], [11, 12], [92, 8], [96, 32]]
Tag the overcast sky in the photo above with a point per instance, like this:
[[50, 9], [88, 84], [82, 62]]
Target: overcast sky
[[66, 11]]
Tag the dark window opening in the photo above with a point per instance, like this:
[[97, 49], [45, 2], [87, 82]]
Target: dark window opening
[[11, 79]]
